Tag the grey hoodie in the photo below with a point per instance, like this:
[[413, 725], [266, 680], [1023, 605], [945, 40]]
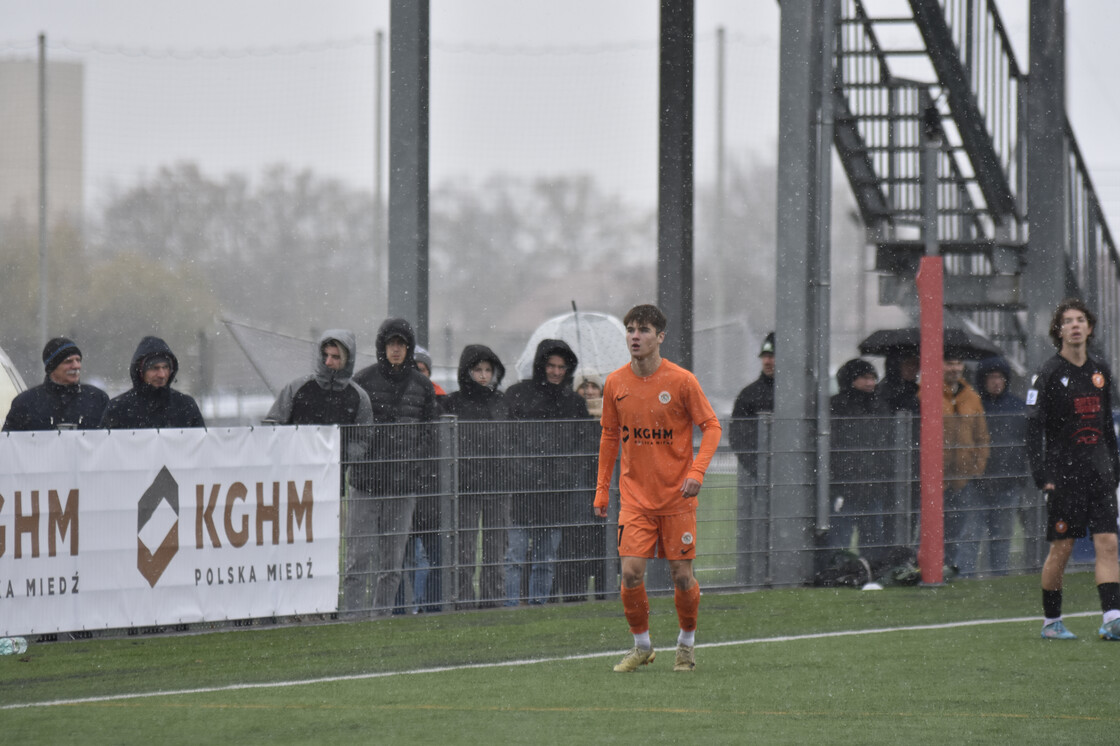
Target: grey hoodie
[[325, 397]]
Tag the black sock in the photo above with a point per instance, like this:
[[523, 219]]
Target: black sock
[[1051, 604], [1110, 596]]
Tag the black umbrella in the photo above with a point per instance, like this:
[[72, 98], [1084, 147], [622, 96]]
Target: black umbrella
[[899, 342]]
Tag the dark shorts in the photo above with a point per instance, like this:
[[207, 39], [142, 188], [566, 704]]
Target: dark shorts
[[1073, 509]]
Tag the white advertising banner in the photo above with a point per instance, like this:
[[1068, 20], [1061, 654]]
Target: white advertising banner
[[103, 529]]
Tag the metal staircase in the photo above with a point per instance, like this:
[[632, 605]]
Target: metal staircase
[[946, 67]]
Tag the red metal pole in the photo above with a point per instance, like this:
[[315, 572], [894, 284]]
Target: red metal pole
[[931, 550]]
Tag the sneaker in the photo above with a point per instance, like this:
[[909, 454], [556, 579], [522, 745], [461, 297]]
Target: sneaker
[[1058, 631], [686, 658], [1111, 630], [636, 657]]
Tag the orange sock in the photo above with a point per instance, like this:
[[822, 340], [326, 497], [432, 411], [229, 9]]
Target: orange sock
[[635, 603], [688, 606]]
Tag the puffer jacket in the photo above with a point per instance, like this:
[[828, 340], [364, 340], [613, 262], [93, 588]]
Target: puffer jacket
[[483, 432], [554, 439], [401, 456]]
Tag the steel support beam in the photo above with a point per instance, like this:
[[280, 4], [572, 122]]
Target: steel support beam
[[1047, 176], [799, 264], [408, 163], [675, 178]]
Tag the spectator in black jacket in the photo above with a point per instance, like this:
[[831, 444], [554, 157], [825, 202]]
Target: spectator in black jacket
[[483, 441], [754, 399], [401, 466], [61, 401], [858, 461], [549, 475], [151, 402]]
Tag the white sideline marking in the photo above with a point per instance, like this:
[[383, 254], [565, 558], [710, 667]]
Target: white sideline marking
[[526, 662]]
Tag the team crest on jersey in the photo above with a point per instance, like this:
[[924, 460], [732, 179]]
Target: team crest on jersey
[[687, 538], [664, 397], [1061, 527], [1098, 380]]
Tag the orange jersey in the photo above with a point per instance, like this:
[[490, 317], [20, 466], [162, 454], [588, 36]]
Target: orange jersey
[[651, 420]]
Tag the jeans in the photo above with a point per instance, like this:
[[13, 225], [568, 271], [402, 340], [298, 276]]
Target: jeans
[[962, 528], [999, 501], [542, 559]]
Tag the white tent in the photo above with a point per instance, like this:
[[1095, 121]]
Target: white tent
[[11, 383], [597, 339]]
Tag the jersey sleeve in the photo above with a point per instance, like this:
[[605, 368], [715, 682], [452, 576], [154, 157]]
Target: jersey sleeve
[[608, 446], [1036, 428], [704, 417]]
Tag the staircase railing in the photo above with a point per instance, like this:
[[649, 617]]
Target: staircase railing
[[972, 54], [1092, 260]]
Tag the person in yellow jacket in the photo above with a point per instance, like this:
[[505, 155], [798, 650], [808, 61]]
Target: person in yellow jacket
[[966, 456]]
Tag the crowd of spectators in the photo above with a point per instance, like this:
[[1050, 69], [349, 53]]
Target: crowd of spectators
[[523, 530]]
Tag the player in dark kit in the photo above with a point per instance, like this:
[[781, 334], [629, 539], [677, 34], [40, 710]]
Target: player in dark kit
[[1074, 460]]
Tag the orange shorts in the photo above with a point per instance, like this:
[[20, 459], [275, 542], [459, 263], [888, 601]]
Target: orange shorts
[[670, 536]]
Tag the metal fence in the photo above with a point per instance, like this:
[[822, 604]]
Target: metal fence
[[458, 515]]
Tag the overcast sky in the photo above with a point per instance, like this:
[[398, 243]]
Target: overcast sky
[[490, 37]]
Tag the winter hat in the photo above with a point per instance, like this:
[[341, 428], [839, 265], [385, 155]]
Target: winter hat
[[421, 356], [57, 350], [852, 370], [767, 345]]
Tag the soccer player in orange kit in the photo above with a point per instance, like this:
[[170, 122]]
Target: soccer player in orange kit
[[649, 409]]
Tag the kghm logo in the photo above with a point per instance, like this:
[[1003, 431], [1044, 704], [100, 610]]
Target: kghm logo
[[158, 506]]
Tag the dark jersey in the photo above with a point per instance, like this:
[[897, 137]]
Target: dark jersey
[[1070, 438]]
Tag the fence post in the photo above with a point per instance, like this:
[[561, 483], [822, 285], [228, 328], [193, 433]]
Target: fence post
[[448, 439]]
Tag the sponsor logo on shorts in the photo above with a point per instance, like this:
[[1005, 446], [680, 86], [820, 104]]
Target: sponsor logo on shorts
[[1061, 527], [687, 538]]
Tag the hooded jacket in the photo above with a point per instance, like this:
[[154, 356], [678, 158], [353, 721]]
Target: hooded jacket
[[401, 451], [398, 393], [859, 462], [483, 434], [51, 404], [146, 406], [896, 393], [558, 454], [325, 397], [966, 435], [1007, 427]]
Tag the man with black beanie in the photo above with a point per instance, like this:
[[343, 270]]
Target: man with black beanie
[[61, 401]]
